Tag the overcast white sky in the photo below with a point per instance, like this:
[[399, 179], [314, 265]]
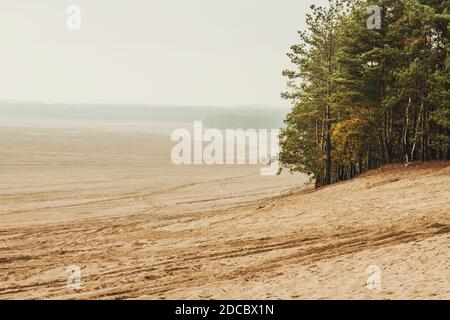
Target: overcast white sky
[[182, 52]]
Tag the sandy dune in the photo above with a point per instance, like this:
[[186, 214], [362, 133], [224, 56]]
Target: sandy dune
[[140, 228]]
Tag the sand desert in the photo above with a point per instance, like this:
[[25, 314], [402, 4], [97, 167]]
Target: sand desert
[[140, 227]]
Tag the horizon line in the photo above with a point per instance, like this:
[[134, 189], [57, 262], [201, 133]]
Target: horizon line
[[251, 105]]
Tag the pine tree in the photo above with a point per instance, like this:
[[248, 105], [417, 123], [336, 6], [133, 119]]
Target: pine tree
[[363, 98], [313, 87]]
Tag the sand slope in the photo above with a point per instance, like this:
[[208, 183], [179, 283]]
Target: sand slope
[[309, 245]]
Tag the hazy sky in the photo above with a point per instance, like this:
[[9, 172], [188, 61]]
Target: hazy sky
[[183, 52]]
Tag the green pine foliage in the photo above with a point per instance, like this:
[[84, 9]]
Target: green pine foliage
[[365, 97]]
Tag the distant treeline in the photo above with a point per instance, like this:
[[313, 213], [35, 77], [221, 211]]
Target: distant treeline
[[105, 112], [365, 96], [244, 117]]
